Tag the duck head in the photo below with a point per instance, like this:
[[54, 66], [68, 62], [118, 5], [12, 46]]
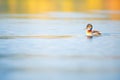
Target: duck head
[[89, 27]]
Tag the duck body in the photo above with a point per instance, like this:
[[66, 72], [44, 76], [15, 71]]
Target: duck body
[[90, 32], [96, 33]]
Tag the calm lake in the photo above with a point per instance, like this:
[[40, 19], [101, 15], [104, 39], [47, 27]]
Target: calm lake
[[40, 42]]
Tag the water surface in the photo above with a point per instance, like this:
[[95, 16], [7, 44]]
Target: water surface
[[52, 45]]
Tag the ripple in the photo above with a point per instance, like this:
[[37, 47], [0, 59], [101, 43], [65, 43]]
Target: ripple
[[40, 36], [95, 57], [57, 69], [117, 35], [111, 34]]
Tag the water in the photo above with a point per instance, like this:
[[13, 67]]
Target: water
[[56, 48]]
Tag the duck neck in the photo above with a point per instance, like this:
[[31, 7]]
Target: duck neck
[[89, 32]]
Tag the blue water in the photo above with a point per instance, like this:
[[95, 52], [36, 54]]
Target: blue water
[[53, 46]]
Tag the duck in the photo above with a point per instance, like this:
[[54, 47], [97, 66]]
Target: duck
[[90, 33]]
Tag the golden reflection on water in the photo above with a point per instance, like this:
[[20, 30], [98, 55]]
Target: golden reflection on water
[[38, 6], [43, 6]]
